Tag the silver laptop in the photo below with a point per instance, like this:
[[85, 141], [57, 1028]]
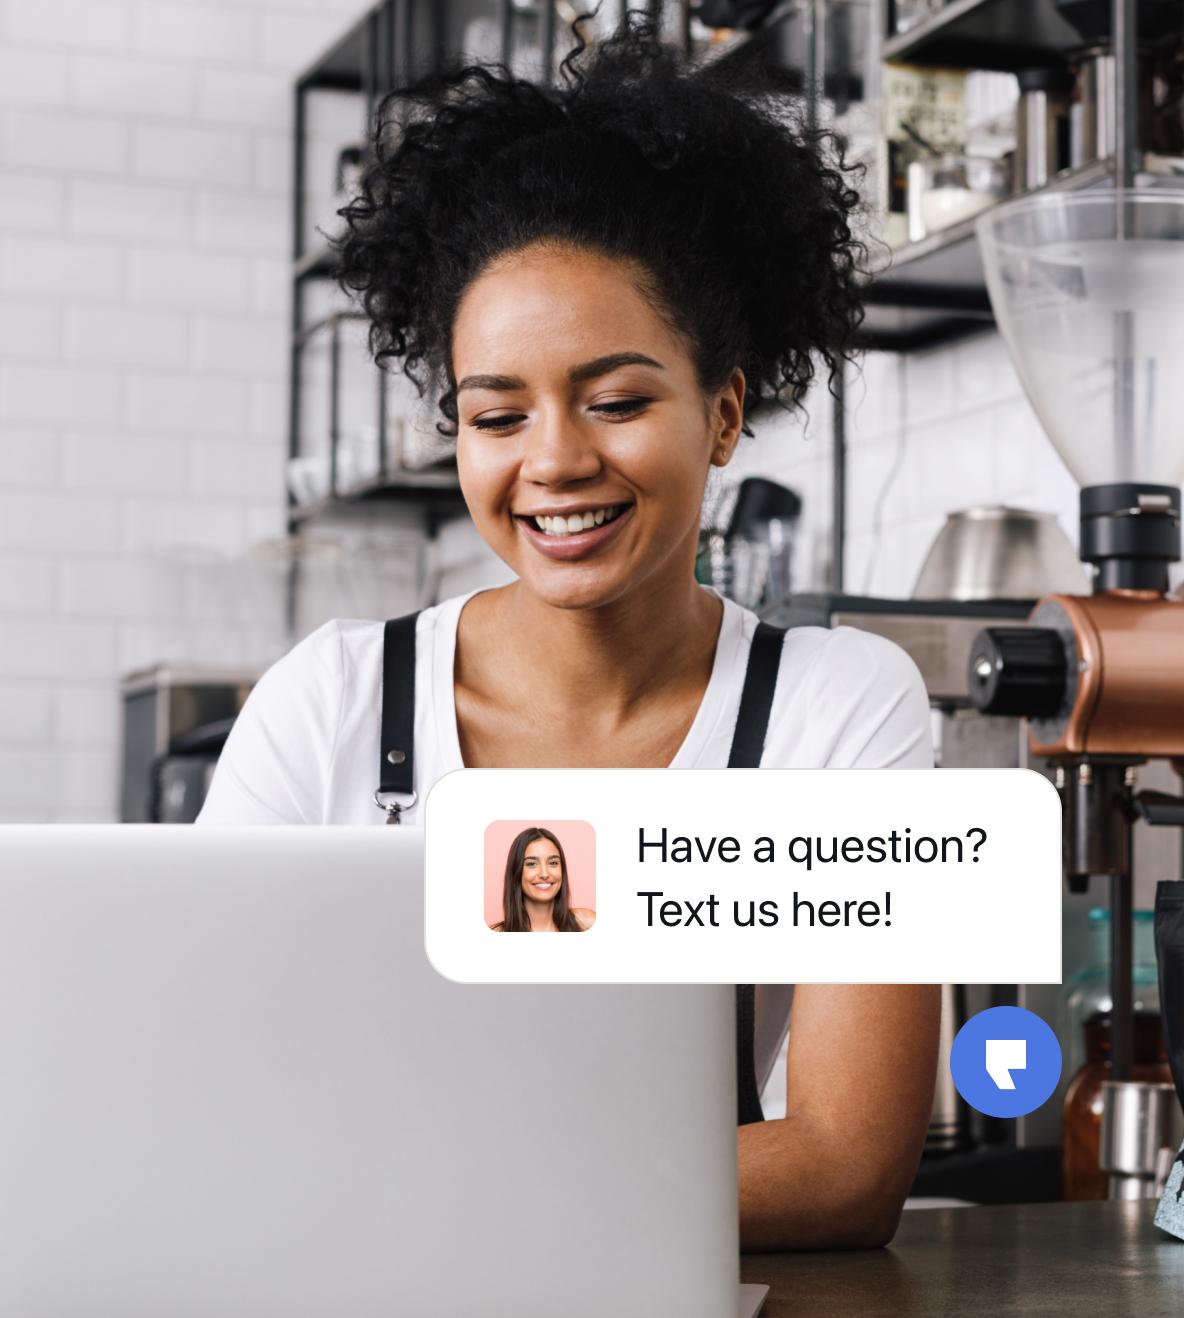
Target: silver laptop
[[231, 1086]]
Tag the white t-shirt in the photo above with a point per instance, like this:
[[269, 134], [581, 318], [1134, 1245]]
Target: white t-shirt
[[304, 749]]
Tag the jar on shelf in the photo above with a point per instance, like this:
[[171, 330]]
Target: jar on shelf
[[1087, 1053], [912, 13], [946, 189]]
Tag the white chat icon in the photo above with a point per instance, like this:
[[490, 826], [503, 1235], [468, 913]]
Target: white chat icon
[[1003, 1057]]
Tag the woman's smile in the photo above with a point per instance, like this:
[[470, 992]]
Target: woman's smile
[[567, 536]]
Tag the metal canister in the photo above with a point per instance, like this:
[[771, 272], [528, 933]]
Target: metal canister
[[1095, 114], [1096, 90], [1042, 125], [1140, 1132]]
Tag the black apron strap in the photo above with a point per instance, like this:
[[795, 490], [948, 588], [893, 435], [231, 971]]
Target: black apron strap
[[748, 1095], [756, 699], [396, 767], [748, 742]]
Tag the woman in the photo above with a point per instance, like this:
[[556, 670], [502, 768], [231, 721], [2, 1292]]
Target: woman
[[536, 896], [601, 283]]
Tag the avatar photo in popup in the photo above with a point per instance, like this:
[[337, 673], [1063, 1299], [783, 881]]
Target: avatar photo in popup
[[540, 876]]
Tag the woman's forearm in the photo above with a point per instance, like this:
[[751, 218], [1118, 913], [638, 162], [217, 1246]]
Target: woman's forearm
[[835, 1171]]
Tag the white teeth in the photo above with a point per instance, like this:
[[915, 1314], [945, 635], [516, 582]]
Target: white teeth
[[573, 522]]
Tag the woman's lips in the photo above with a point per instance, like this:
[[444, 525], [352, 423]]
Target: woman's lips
[[577, 545]]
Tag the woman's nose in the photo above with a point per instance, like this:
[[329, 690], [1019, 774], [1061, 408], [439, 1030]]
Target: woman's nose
[[558, 450]]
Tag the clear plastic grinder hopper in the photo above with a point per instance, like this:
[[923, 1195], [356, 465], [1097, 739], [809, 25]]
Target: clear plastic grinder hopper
[[1088, 293]]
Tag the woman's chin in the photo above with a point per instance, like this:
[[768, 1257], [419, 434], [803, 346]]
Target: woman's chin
[[571, 586]]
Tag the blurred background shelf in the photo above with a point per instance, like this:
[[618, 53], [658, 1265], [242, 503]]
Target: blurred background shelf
[[1009, 35], [1004, 35], [436, 490], [933, 291]]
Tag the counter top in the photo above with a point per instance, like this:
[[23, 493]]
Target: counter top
[[1039, 1260]]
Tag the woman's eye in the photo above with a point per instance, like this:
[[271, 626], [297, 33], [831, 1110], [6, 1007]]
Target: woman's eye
[[496, 422], [621, 407]]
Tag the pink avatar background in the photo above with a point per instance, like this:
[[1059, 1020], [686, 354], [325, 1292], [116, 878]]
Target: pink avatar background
[[578, 840]]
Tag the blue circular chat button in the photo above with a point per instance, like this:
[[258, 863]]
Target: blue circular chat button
[[1005, 1061]]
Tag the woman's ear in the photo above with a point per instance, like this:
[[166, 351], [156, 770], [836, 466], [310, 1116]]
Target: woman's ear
[[728, 419]]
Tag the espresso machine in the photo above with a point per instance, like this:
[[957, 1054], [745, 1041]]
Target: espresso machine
[[1087, 291]]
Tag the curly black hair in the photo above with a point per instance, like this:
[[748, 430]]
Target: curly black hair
[[704, 177]]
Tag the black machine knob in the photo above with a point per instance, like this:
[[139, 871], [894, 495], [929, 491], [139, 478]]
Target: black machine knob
[[1018, 671]]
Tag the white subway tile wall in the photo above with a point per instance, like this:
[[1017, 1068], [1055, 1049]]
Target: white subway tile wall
[[144, 240], [114, 335], [29, 331], [126, 86], [89, 143], [128, 210], [143, 325]]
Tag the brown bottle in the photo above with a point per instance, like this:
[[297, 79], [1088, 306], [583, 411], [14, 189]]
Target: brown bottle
[[1081, 1125]]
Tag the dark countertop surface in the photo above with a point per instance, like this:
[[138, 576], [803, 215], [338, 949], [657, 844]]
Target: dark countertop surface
[[1037, 1260]]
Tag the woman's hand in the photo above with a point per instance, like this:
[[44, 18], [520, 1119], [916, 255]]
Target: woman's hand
[[835, 1171]]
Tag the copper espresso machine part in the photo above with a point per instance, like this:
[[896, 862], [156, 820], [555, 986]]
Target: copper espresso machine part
[[1126, 648]]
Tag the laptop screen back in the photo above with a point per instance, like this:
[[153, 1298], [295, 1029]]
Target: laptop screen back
[[234, 1086]]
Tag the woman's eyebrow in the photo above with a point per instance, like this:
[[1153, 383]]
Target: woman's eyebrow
[[577, 374]]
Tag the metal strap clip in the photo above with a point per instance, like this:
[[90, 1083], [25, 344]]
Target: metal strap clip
[[394, 809]]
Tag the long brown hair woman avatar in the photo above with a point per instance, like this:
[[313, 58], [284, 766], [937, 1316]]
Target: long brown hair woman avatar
[[536, 893]]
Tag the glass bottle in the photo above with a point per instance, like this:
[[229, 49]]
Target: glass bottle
[[1088, 1048]]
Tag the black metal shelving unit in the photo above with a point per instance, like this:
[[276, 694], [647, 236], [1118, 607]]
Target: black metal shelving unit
[[933, 292], [371, 57]]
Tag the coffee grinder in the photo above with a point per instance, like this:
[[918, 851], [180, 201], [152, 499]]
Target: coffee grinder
[[1087, 290]]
